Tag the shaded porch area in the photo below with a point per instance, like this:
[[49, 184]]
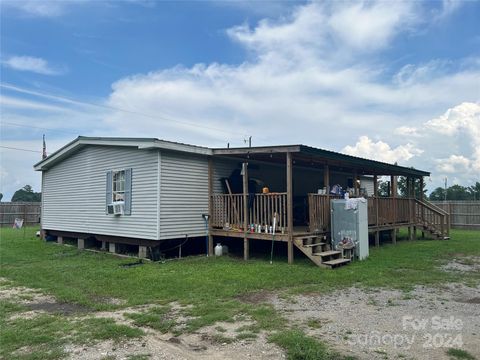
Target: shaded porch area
[[300, 183]]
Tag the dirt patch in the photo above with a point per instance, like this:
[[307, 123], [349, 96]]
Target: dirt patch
[[59, 308], [258, 297], [475, 300], [384, 324], [463, 264]]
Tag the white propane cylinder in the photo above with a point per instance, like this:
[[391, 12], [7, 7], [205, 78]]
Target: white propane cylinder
[[218, 250]]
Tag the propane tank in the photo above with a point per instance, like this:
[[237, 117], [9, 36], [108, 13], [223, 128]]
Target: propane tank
[[218, 250]]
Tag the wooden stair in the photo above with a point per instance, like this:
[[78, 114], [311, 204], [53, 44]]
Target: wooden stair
[[432, 219], [317, 250]]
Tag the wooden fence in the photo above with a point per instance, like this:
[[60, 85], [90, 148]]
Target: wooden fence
[[463, 214], [9, 211]]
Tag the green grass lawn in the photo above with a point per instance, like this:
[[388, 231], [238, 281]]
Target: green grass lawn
[[213, 285]]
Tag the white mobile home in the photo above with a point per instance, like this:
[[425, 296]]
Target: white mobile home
[[142, 191]]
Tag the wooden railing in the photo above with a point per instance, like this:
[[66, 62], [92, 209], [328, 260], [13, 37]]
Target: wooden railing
[[228, 209], [319, 212], [384, 211], [432, 216]]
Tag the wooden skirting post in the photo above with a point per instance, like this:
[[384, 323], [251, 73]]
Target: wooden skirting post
[[60, 240], [394, 236], [290, 207], [210, 205], [81, 244], [414, 233], [377, 238], [409, 233], [111, 247], [246, 250]]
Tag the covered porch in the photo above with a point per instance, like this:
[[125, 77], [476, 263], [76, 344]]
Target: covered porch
[[299, 179]]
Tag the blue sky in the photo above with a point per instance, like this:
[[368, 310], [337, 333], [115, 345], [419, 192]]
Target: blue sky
[[393, 81]]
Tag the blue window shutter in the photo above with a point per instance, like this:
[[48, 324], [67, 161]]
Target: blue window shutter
[[128, 192], [109, 191]]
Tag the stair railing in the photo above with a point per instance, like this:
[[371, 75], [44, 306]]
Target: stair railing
[[432, 217]]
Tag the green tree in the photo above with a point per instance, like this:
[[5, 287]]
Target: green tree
[[474, 191], [26, 194], [457, 192], [1, 196], [383, 188], [437, 194]]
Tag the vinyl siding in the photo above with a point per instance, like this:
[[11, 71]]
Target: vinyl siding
[[74, 192], [367, 183], [183, 194]]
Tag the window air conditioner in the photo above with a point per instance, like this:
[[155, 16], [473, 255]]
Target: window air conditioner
[[116, 208]]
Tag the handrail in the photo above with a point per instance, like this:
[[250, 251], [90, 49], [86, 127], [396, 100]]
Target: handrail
[[437, 208], [437, 219]]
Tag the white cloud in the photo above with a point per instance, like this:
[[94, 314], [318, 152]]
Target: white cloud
[[369, 26], [32, 64], [381, 151], [38, 8], [453, 164], [407, 131]]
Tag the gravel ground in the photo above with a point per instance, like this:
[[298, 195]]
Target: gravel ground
[[385, 324], [366, 323]]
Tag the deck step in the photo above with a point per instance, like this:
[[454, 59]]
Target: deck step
[[327, 253], [336, 262], [312, 245], [307, 237]]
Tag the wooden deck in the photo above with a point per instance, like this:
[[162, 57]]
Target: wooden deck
[[384, 213]]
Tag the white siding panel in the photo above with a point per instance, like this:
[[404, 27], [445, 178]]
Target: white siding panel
[[74, 193], [367, 183], [183, 194]]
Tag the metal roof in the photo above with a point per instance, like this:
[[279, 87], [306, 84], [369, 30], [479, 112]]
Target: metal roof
[[301, 151]]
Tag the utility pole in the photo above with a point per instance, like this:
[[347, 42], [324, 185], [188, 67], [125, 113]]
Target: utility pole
[[445, 194]]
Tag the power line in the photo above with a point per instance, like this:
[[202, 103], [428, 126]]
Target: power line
[[38, 127], [82, 102], [19, 149]]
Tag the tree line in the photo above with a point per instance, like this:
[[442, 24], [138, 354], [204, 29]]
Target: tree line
[[25, 194], [454, 192]]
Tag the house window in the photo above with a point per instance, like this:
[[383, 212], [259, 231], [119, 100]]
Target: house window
[[118, 200], [118, 186]]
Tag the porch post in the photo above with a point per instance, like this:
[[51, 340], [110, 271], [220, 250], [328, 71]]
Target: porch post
[[355, 184], [246, 245], [375, 194], [290, 207], [326, 178], [410, 212], [377, 238], [423, 210], [210, 205], [393, 183]]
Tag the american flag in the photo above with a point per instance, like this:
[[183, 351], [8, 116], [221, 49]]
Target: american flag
[[44, 152]]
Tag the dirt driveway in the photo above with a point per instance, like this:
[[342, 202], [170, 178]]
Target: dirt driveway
[[364, 323]]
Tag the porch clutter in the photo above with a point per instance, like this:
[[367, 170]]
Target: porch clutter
[[293, 190]]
